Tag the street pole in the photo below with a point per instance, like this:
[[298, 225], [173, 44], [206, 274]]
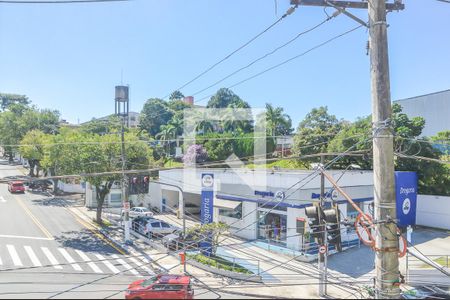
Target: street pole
[[125, 188], [322, 288], [325, 272], [386, 241]]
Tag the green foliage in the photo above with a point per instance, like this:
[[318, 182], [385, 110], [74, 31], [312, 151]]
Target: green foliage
[[282, 164], [277, 122], [315, 131], [156, 112], [32, 148], [226, 98], [97, 126], [214, 230], [176, 95], [7, 99], [19, 118], [219, 263]]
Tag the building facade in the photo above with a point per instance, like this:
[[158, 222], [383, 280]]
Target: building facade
[[434, 108]]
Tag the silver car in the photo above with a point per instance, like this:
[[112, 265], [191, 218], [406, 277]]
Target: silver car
[[139, 212], [158, 228]]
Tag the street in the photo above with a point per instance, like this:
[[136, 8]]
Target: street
[[47, 252]]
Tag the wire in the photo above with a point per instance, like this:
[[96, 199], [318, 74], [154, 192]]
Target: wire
[[267, 54], [445, 162], [288, 60], [288, 12], [57, 1]]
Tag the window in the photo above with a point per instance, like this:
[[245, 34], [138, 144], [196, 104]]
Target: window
[[155, 224], [232, 213], [116, 197], [165, 225], [174, 287], [352, 213], [148, 282], [159, 287]]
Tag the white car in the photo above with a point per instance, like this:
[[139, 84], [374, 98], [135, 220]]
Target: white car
[[139, 212], [191, 209], [156, 227]]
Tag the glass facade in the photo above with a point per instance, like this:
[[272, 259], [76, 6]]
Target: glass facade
[[272, 226]]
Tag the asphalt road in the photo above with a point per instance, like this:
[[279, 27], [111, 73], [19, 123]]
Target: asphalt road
[[46, 251]]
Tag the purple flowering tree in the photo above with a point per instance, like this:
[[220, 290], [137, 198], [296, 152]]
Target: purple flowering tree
[[195, 154]]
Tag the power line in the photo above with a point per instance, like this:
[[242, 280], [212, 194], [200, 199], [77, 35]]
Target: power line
[[269, 53], [288, 60], [288, 12], [58, 1]]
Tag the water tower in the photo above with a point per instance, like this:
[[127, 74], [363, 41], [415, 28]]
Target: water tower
[[122, 103]]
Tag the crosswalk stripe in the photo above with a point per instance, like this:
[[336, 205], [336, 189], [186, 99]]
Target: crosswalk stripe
[[1, 263], [69, 258], [33, 256], [107, 263], [123, 263], [89, 262], [141, 265], [51, 258], [15, 257]]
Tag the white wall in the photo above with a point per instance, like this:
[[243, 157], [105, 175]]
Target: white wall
[[248, 221], [71, 188], [294, 241], [433, 211]]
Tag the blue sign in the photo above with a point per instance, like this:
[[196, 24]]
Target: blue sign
[[406, 197], [264, 194], [207, 198]]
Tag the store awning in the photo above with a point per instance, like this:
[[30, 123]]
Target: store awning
[[226, 203]]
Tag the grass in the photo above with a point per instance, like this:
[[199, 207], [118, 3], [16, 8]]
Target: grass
[[219, 263], [106, 223], [172, 164], [442, 261], [282, 164]]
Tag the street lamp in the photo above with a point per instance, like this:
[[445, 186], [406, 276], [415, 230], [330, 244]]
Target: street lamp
[[122, 111]]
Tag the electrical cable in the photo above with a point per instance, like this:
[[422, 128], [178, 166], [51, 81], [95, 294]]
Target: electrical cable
[[268, 53], [288, 60], [288, 12]]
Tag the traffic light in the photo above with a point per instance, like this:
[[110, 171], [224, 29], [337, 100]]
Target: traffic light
[[312, 212], [331, 217]]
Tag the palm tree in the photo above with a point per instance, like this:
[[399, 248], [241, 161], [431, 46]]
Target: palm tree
[[277, 121], [166, 134]]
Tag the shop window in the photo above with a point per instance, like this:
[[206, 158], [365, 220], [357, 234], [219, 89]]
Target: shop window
[[232, 213], [352, 213], [115, 198]]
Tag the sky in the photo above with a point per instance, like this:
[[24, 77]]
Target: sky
[[69, 57]]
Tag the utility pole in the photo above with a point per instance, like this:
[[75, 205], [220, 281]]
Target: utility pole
[[386, 240], [322, 284], [125, 187], [386, 244]]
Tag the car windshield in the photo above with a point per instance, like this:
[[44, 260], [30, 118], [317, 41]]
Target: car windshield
[[165, 225], [148, 282]]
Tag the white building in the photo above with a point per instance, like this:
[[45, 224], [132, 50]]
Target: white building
[[434, 108], [247, 199]]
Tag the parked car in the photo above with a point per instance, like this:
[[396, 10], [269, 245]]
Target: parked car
[[161, 287], [16, 187], [157, 228], [176, 241], [191, 209], [139, 212], [138, 224]]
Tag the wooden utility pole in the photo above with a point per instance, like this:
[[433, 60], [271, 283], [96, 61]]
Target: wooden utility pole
[[386, 243]]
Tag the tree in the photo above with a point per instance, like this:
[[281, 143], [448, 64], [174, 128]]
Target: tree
[[155, 113], [278, 123], [226, 98], [195, 154], [176, 95], [7, 99], [433, 177], [211, 232], [315, 131], [101, 126], [166, 135], [32, 148]]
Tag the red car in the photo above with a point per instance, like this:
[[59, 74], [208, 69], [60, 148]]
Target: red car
[[16, 187], [161, 287]]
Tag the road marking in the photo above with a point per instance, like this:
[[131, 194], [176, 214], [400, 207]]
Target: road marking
[[108, 264], [141, 265], [89, 262], [94, 230], [35, 220], [69, 258], [51, 258], [15, 257], [123, 263], [1, 263], [2, 200], [33, 256], [25, 237]]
